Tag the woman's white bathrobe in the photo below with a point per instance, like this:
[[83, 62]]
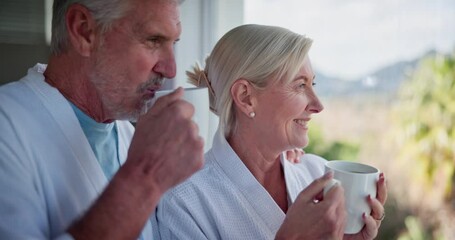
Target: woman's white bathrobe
[[49, 175], [225, 201]]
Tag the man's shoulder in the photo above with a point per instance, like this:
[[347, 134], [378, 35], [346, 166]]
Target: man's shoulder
[[12, 88], [19, 93], [15, 97]]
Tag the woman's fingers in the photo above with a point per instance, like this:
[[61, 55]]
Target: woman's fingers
[[315, 188], [290, 156], [294, 155], [382, 189], [377, 209], [370, 231]]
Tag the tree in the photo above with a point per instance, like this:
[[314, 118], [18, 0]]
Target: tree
[[425, 132]]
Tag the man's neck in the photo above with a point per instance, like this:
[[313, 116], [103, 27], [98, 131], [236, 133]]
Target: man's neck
[[71, 79]]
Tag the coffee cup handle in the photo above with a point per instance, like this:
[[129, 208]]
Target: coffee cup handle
[[330, 185]]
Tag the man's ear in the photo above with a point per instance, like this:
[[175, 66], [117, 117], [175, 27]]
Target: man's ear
[[81, 29], [242, 93]]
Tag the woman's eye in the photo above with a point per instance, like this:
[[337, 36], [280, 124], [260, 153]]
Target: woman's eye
[[304, 85]]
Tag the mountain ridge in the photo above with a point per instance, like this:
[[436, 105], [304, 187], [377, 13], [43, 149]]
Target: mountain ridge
[[384, 81]]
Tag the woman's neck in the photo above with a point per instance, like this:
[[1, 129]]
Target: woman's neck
[[264, 164]]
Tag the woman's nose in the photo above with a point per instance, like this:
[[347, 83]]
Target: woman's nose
[[315, 105]]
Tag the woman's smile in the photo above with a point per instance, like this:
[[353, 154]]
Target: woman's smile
[[302, 122]]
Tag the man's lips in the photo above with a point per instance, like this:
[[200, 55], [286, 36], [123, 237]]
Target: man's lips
[[151, 91]]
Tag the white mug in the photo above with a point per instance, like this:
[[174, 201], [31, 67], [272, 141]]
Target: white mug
[[358, 181], [199, 98]]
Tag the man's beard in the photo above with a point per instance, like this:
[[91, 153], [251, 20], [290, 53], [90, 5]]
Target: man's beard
[[121, 109], [146, 102]]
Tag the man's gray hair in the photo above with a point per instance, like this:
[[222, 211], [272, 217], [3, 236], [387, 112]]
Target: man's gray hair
[[104, 13]]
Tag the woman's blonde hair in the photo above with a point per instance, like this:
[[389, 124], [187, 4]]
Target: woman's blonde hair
[[259, 54]]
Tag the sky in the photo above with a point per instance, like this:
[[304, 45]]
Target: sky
[[352, 38]]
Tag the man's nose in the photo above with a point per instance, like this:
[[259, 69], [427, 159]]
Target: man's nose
[[166, 65]]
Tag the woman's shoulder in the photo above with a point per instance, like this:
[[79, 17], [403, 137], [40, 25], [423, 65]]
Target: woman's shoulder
[[312, 163], [309, 158]]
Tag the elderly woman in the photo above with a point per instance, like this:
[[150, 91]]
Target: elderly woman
[[261, 86]]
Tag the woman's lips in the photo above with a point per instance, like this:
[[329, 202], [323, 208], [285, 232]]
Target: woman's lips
[[302, 122]]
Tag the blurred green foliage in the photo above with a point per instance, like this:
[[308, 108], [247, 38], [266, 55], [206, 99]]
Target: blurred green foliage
[[330, 150], [425, 117], [415, 230]]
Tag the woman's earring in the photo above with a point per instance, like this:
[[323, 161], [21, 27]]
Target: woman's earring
[[252, 114]]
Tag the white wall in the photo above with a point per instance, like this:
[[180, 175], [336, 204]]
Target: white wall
[[230, 14], [203, 23]]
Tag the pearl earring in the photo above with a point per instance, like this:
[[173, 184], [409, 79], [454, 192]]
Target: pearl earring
[[252, 114]]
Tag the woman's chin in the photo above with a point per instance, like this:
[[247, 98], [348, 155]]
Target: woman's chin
[[301, 143]]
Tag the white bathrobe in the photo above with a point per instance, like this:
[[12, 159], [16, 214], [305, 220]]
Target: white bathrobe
[[49, 175], [225, 201]]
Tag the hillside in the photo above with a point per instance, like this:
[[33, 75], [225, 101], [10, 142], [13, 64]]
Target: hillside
[[384, 82]]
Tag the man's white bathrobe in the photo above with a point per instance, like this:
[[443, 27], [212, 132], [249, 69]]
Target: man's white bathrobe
[[49, 175], [225, 201]]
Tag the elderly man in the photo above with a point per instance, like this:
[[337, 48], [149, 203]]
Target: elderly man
[[64, 134]]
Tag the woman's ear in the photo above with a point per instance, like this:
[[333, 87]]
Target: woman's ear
[[242, 93], [81, 29]]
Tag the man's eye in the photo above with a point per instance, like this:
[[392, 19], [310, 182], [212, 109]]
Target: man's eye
[[154, 41]]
